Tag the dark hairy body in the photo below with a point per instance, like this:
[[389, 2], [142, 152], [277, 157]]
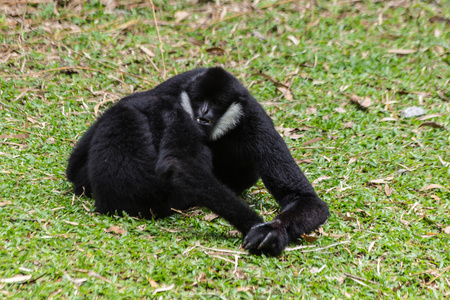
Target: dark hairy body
[[197, 139]]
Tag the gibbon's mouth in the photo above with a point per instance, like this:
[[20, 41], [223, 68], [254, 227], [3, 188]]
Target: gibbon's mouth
[[204, 121]]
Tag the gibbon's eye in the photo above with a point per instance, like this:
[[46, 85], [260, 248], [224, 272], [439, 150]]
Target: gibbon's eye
[[204, 121]]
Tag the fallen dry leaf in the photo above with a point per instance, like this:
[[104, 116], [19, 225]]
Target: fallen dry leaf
[[276, 82], [310, 238], [402, 51], [210, 217], [447, 230], [5, 203], [116, 230], [423, 118], [286, 92], [259, 35], [258, 191], [215, 51], [432, 186], [344, 217], [355, 99], [147, 51], [283, 88], [443, 162], [77, 281], [164, 289], [336, 236], [349, 125], [19, 136], [293, 133], [352, 160], [439, 19], [303, 161], [312, 141], [294, 40], [432, 124], [153, 283], [314, 23], [363, 211], [16, 279], [363, 103], [311, 110], [322, 232], [442, 96], [234, 233], [378, 181], [315, 270], [321, 178], [71, 223], [340, 279], [181, 15], [239, 274], [141, 227], [194, 41], [109, 4], [387, 190], [388, 119], [435, 197]]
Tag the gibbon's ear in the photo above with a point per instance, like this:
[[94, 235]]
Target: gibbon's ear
[[228, 121]]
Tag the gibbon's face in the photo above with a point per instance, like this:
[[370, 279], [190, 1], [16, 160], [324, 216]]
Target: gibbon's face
[[215, 118]]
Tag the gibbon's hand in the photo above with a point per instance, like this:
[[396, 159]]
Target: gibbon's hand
[[266, 238]]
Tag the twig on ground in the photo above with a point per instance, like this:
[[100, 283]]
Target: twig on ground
[[360, 279], [51, 70], [246, 12], [197, 245], [93, 274], [42, 135], [316, 249], [160, 41], [440, 274]]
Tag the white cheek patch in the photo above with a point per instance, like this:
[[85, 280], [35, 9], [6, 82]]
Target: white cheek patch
[[228, 121], [186, 104]]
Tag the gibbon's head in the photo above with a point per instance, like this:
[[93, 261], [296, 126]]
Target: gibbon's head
[[212, 101]]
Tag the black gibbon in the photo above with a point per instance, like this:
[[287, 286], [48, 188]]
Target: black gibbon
[[197, 139]]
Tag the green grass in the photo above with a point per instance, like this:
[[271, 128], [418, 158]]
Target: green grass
[[384, 239]]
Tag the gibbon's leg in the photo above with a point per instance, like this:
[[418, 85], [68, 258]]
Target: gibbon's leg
[[186, 163], [302, 210], [121, 165], [77, 170]]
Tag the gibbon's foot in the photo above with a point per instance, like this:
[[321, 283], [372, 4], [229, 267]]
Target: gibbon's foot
[[267, 238]]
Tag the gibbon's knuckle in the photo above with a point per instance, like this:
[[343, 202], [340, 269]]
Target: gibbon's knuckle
[[268, 240], [275, 240], [255, 236], [263, 238], [252, 240]]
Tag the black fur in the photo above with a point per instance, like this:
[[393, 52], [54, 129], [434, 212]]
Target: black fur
[[148, 154]]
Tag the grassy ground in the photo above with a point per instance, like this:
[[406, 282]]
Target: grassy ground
[[385, 177]]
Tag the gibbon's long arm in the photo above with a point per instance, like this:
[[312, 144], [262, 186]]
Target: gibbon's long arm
[[189, 171], [302, 210]]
